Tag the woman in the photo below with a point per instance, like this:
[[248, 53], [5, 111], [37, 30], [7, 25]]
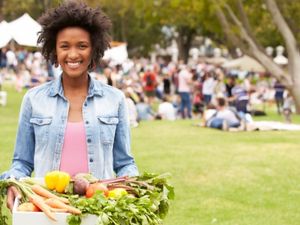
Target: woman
[[74, 123]]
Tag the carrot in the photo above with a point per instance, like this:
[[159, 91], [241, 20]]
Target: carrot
[[42, 206], [55, 203], [59, 210], [38, 189]]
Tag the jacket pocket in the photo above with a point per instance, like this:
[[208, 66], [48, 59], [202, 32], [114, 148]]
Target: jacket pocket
[[41, 128], [107, 129]]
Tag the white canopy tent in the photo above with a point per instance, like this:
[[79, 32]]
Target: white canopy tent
[[117, 53], [244, 63], [24, 30], [5, 35]]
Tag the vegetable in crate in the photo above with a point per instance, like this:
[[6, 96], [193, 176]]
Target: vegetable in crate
[[57, 180], [81, 183], [146, 203], [35, 197], [93, 188]]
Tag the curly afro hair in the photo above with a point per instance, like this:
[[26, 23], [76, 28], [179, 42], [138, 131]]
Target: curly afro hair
[[74, 14]]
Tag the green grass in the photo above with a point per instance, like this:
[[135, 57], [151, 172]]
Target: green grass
[[220, 178]]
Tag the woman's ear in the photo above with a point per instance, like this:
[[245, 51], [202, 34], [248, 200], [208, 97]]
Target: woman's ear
[[55, 60], [92, 65]]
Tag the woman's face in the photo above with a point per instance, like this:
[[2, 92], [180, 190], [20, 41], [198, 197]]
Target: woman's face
[[73, 49]]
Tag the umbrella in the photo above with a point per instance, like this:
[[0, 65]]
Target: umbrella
[[216, 60], [244, 63]]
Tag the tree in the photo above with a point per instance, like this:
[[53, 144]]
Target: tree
[[12, 9], [190, 18], [134, 22], [1, 10], [237, 28]]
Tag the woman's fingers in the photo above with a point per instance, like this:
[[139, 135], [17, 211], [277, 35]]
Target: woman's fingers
[[12, 194]]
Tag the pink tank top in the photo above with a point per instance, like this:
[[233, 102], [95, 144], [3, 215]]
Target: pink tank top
[[74, 153]]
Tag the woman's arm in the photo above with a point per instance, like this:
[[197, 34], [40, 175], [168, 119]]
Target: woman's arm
[[23, 159], [123, 161]]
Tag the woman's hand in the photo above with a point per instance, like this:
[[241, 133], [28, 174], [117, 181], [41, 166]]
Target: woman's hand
[[12, 194]]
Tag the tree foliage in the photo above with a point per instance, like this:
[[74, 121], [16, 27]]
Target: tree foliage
[[134, 22], [140, 22]]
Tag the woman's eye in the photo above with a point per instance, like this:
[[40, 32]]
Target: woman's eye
[[82, 46], [64, 46]]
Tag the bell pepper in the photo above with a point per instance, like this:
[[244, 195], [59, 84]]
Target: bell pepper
[[57, 180]]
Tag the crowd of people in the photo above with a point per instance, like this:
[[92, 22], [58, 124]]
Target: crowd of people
[[164, 89]]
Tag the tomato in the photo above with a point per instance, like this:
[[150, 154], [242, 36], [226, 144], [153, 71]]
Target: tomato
[[92, 188]]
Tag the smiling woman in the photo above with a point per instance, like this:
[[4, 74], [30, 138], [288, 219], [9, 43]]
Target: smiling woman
[[74, 123], [73, 49]]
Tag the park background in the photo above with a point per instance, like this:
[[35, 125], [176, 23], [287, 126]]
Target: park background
[[223, 178], [219, 177]]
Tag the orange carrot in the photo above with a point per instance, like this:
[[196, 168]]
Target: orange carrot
[[42, 206], [55, 203], [47, 194], [59, 210]]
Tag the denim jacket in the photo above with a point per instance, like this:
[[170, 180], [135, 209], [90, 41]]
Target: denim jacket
[[42, 123]]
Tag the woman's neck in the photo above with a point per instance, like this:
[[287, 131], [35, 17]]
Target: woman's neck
[[78, 85]]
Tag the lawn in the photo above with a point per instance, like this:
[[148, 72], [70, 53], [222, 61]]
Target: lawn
[[220, 178]]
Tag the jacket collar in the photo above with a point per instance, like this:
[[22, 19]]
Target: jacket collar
[[95, 88]]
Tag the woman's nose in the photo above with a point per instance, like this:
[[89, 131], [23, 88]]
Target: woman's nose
[[73, 54]]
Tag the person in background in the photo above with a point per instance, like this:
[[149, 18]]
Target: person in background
[[241, 98], [166, 110], [184, 90], [144, 110], [224, 118], [3, 59], [229, 84], [208, 87], [279, 91], [74, 123], [166, 82], [287, 107], [149, 84], [132, 111]]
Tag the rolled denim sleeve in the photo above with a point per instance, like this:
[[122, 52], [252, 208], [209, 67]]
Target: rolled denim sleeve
[[23, 159], [124, 163]]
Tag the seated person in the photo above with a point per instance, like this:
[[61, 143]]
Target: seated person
[[224, 117], [166, 110], [144, 110]]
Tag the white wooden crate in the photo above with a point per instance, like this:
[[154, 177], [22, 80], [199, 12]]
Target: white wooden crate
[[39, 218]]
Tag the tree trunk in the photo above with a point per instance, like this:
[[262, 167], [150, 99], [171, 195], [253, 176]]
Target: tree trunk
[[295, 89], [184, 42], [292, 50], [295, 92]]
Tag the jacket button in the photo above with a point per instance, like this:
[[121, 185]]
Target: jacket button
[[91, 160], [85, 104], [86, 122], [89, 140]]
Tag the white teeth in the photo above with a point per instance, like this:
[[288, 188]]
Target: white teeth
[[73, 64]]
